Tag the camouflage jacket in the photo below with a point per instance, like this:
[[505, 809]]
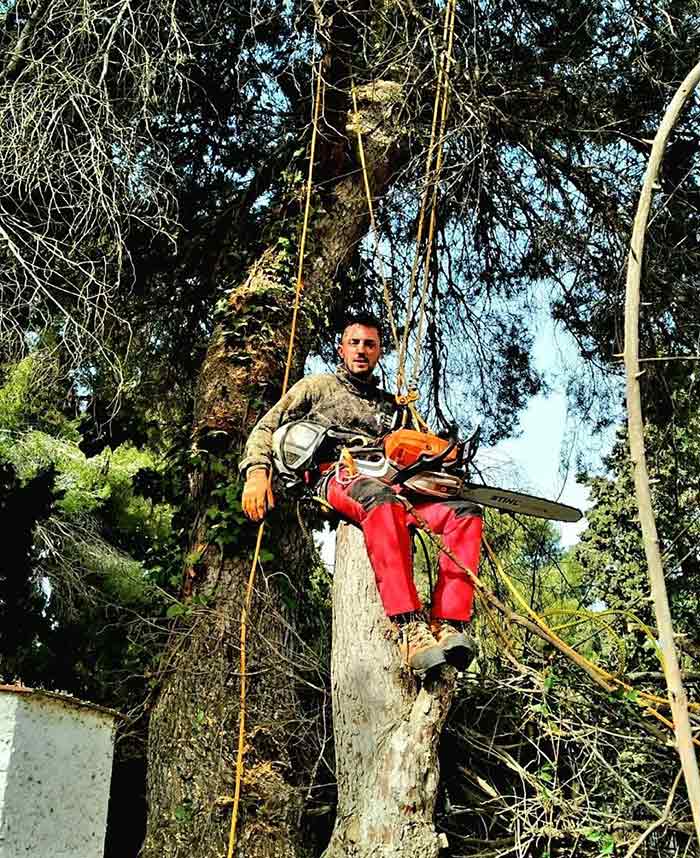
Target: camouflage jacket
[[340, 400]]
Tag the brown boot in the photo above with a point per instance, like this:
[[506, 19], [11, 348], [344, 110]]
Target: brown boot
[[418, 646], [457, 645]]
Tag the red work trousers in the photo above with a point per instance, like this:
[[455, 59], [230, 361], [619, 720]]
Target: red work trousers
[[385, 522]]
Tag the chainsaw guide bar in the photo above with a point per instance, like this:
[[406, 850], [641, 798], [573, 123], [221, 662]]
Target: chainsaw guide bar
[[508, 501]]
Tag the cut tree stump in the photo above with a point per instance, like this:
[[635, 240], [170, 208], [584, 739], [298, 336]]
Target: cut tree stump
[[387, 724]]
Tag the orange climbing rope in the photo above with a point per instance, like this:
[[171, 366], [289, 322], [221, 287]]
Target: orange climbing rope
[[256, 554], [433, 170]]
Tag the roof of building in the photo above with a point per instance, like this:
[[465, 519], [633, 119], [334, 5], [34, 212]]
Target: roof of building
[[59, 697]]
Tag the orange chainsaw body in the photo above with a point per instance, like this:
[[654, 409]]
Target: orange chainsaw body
[[405, 446]]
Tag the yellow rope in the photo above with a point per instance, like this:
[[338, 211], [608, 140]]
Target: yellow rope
[[435, 151], [593, 618], [431, 180], [373, 222], [256, 554], [408, 400], [241, 717], [304, 230], [433, 202]]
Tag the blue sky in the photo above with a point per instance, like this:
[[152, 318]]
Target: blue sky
[[543, 458], [534, 462]]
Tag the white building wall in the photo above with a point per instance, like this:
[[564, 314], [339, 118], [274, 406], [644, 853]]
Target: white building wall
[[8, 705], [55, 769]]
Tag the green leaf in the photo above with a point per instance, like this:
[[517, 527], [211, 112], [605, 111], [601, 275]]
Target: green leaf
[[176, 610], [549, 681]]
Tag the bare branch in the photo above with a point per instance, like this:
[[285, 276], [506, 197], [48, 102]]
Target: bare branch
[[81, 94], [677, 695]]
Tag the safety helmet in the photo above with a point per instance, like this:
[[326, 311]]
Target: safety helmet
[[294, 446]]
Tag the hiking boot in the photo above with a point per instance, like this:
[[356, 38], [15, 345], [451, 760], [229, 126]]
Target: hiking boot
[[418, 646], [456, 644]]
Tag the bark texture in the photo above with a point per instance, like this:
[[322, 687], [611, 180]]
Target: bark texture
[[193, 728], [193, 725], [387, 725]]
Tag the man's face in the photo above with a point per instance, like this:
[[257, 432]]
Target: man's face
[[360, 350]]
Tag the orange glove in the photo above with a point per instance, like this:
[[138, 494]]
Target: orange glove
[[257, 494]]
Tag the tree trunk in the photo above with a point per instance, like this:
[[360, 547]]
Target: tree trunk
[[387, 724], [193, 726]]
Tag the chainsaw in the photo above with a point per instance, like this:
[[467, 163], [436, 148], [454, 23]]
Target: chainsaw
[[437, 467]]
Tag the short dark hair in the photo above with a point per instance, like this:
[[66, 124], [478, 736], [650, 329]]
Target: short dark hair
[[368, 320]]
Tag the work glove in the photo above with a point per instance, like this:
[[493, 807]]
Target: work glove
[[257, 494]]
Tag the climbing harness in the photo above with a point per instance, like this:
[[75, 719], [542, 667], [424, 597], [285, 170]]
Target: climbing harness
[[305, 449], [300, 447], [407, 402]]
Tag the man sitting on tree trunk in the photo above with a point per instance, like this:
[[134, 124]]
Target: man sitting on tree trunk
[[351, 399]]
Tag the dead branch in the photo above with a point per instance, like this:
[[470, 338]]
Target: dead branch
[[660, 821], [80, 163]]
